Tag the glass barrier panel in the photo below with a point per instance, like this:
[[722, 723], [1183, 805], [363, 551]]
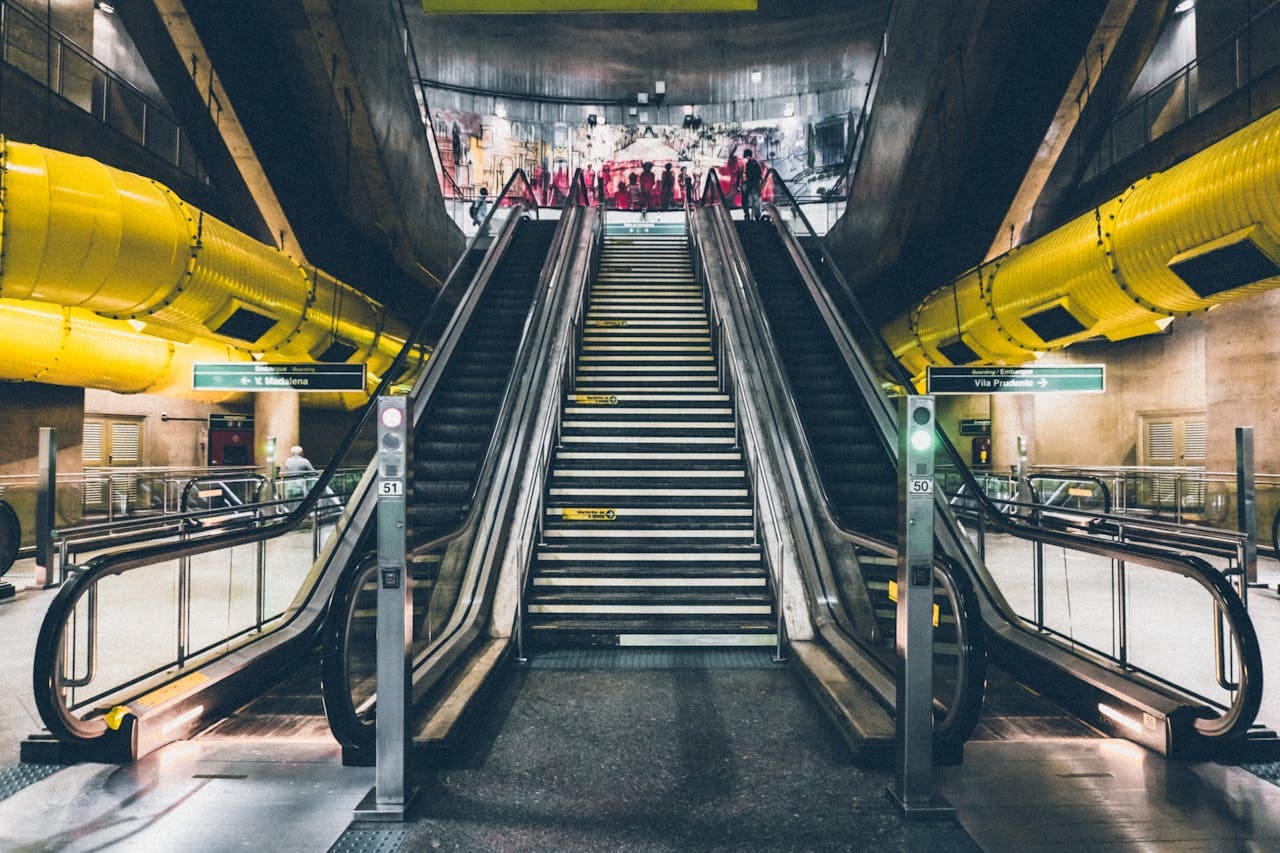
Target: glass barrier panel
[[76, 78], [223, 592], [1078, 598], [288, 561], [162, 135], [1010, 560], [133, 632], [26, 46], [1171, 634], [126, 110]]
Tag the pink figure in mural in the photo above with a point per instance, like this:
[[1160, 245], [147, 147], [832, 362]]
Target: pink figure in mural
[[668, 182], [622, 199], [536, 178], [589, 181], [729, 180], [647, 180], [560, 185], [606, 180], [635, 198]]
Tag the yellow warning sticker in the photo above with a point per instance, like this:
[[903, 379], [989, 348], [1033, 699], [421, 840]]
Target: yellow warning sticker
[[580, 514], [610, 324], [893, 596], [595, 399], [175, 688]]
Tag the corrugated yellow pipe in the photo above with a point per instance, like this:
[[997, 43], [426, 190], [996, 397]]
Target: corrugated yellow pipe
[[80, 234], [1181, 241], [71, 346]]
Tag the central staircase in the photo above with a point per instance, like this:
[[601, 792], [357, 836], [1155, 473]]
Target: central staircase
[[649, 535]]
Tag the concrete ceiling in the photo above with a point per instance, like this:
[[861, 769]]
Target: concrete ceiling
[[798, 46]]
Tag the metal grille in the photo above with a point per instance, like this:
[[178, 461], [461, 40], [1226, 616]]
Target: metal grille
[[657, 658], [1159, 440], [14, 779], [1194, 439], [370, 841]]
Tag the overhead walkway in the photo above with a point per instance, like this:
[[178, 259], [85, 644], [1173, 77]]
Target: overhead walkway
[[811, 335]]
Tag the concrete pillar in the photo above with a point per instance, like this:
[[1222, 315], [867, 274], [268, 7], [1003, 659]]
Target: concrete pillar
[[1012, 415], [274, 413]]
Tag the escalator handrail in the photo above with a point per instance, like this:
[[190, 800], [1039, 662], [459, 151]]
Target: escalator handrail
[[556, 257], [960, 717], [48, 661], [342, 714], [1240, 714]]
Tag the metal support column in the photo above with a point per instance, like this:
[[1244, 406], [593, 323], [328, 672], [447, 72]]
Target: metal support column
[[1247, 504], [912, 790], [46, 505], [390, 798]]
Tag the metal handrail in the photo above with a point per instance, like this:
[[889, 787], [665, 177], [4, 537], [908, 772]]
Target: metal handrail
[[344, 715], [1241, 713], [48, 664], [962, 713]]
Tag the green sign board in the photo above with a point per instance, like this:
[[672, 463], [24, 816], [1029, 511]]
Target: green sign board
[[260, 376], [1085, 378]]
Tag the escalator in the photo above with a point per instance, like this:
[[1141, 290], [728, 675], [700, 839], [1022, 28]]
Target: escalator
[[158, 642], [845, 430]]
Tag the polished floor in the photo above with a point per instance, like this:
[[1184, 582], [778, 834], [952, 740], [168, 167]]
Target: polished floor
[[646, 754]]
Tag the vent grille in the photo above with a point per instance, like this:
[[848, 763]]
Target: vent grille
[[1159, 440], [1225, 268], [337, 352], [1053, 323], [245, 325], [1194, 442], [958, 352]]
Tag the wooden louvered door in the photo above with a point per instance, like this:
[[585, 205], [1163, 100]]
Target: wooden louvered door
[[1173, 441], [110, 442]]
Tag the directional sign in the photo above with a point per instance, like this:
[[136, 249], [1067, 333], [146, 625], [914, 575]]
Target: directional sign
[[1083, 378], [260, 376]]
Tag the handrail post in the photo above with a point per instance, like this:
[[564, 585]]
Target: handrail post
[[1247, 506], [260, 579]]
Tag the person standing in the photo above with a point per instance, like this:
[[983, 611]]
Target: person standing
[[752, 178]]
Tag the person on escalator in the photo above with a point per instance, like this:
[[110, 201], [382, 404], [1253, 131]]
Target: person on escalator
[[752, 178], [480, 206]]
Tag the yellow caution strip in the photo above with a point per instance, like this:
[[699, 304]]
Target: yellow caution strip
[[893, 596], [172, 690], [595, 399], [115, 717], [580, 514], [1080, 493], [609, 324]]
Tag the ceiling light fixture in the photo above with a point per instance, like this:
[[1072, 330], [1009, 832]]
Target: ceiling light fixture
[[500, 109], [756, 75]]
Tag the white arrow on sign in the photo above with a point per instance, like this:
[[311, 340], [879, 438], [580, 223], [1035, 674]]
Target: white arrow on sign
[[245, 380], [1043, 382]]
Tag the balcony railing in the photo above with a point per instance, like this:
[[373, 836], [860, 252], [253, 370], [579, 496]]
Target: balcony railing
[[29, 45]]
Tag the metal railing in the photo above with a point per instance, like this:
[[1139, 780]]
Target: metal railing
[[1109, 571], [143, 609], [33, 47], [1234, 64], [862, 646]]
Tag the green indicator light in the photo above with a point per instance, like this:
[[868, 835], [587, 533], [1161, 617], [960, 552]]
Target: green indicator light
[[921, 439]]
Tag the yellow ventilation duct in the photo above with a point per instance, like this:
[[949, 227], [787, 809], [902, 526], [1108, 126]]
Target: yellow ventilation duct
[[1184, 240], [71, 346], [79, 234]]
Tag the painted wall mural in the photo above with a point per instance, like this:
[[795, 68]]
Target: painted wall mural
[[484, 151]]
